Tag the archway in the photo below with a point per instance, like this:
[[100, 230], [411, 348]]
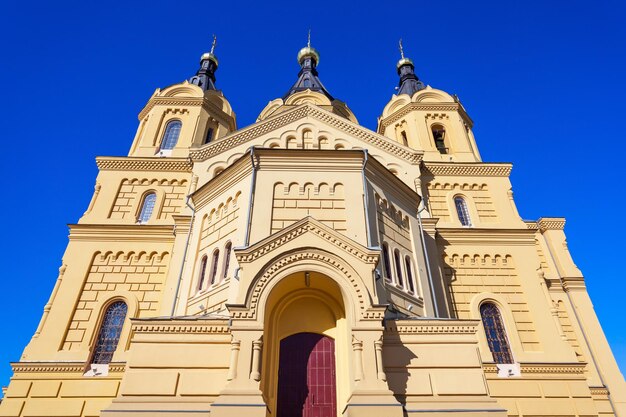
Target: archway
[[305, 321], [306, 376]]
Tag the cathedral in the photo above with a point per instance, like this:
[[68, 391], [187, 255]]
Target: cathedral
[[307, 266]]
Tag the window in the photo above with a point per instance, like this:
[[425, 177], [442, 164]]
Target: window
[[409, 274], [110, 332], [496, 334], [386, 262], [202, 272], [462, 211], [439, 135], [147, 207], [396, 256], [405, 141], [209, 135], [216, 257], [170, 137], [227, 250]]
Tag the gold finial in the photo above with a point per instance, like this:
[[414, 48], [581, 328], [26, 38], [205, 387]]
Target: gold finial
[[308, 42], [403, 60], [214, 43], [308, 51]]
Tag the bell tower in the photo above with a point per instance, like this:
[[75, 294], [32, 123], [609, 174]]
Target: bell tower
[[427, 119], [184, 116]]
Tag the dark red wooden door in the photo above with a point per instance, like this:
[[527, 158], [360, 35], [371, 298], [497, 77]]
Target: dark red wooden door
[[306, 376]]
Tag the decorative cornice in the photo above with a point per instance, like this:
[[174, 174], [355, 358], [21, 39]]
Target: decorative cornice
[[187, 102], [478, 169], [409, 107], [599, 391], [426, 326], [60, 367], [487, 237], [199, 326], [306, 110], [542, 368], [121, 233], [107, 163], [531, 225], [551, 223], [308, 224]]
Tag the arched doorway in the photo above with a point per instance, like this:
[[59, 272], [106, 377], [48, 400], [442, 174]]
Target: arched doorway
[[306, 376]]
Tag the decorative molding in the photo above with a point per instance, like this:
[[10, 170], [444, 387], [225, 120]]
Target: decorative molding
[[599, 391], [106, 163], [427, 326], [200, 326], [257, 288], [434, 107], [122, 233], [308, 224], [542, 368], [188, 102], [478, 169], [306, 110], [551, 223], [531, 225], [487, 237], [61, 367]]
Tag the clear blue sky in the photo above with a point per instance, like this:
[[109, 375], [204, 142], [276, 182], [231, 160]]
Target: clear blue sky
[[543, 82]]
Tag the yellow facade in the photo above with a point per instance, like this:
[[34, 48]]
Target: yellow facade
[[388, 243]]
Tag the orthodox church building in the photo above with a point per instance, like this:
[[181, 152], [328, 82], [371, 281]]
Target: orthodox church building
[[307, 266]]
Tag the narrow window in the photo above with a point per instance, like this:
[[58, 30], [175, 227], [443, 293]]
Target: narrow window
[[109, 334], [227, 249], [439, 135], [405, 141], [386, 262], [496, 334], [170, 137], [462, 211], [409, 274], [147, 207], [216, 257], [202, 272], [396, 256], [209, 135]]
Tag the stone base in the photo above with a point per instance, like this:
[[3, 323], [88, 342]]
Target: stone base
[[238, 404], [373, 404]]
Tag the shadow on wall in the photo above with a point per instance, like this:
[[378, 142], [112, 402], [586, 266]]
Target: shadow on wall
[[398, 360]]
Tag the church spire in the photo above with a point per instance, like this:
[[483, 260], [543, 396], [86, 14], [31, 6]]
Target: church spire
[[308, 58], [205, 77], [409, 83]]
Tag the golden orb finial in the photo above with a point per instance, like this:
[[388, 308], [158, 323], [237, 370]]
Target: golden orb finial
[[403, 60], [308, 51], [211, 55]]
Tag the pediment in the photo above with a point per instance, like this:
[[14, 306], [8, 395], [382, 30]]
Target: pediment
[[363, 137], [303, 231]]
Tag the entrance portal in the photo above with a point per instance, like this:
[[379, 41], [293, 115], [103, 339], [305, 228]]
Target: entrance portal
[[306, 376]]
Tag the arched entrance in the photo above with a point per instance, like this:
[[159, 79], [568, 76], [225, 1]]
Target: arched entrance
[[306, 376]]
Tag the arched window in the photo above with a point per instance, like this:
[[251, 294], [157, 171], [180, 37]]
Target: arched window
[[216, 257], [496, 334], [170, 137], [439, 135], [386, 262], [202, 272], [396, 256], [147, 207], [409, 273], [227, 250], [209, 135], [462, 211], [110, 331]]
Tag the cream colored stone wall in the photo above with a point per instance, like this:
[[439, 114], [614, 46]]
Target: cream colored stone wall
[[141, 275], [469, 275], [170, 197], [321, 201]]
